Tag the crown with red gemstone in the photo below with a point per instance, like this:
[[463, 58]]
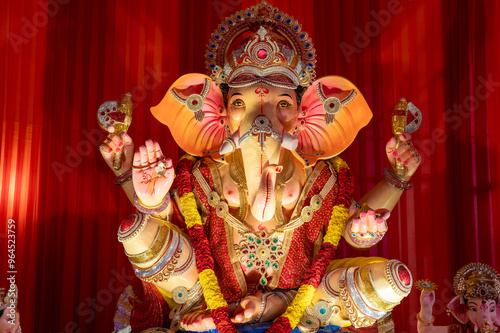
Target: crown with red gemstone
[[277, 52]]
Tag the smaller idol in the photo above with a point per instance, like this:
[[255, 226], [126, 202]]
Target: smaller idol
[[475, 306]]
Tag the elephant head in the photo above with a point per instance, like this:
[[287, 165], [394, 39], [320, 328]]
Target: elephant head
[[263, 102], [483, 314], [477, 287]]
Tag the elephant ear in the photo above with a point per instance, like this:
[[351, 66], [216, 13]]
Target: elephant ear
[[497, 317], [193, 109], [331, 115], [459, 310]]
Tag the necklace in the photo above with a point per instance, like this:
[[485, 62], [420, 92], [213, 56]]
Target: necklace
[[261, 250]]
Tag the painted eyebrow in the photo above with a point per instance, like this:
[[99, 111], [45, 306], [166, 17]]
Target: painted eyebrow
[[285, 95], [473, 303], [237, 93]]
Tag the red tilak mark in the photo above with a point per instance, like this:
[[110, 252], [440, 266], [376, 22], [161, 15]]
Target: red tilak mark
[[484, 306], [261, 91]]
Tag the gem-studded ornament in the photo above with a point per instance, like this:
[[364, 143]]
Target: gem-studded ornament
[[194, 102], [180, 295], [333, 105], [322, 310], [425, 285], [261, 252]]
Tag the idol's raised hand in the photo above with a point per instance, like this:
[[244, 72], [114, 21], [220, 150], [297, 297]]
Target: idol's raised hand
[[406, 154], [114, 144], [152, 174]]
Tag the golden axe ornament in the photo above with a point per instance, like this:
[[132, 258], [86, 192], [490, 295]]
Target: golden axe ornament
[[261, 199]]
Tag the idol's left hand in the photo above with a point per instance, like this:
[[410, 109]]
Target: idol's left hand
[[367, 228], [406, 153]]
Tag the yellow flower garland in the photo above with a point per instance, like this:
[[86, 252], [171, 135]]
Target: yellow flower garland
[[208, 280]]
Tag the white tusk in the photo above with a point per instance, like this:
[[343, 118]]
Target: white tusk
[[289, 141], [230, 144]]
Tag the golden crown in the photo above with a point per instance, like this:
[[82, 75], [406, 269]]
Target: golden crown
[[276, 51], [477, 280]]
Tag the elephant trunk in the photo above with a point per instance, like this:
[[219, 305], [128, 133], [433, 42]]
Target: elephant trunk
[[264, 204]]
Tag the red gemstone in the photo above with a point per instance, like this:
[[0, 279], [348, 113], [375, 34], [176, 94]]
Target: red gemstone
[[114, 109], [112, 122], [107, 109], [195, 102], [332, 105], [262, 54], [102, 113], [107, 118], [404, 275], [127, 223]]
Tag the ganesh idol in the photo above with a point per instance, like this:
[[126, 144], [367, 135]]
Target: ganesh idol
[[246, 235]]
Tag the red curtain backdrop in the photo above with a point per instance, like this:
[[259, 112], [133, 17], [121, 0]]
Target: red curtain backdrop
[[62, 58]]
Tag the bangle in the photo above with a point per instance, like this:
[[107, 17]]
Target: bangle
[[151, 210], [262, 307], [394, 180], [424, 322], [287, 299], [124, 177]]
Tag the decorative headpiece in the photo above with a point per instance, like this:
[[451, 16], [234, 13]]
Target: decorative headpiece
[[8, 296], [277, 53], [477, 280]]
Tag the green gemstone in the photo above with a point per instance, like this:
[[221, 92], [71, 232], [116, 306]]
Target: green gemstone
[[322, 310], [275, 240], [275, 266], [308, 322], [263, 282], [267, 263], [273, 248], [180, 295], [249, 264], [250, 239], [251, 256], [258, 241]]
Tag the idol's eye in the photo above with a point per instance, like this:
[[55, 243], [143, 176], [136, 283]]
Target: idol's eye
[[238, 103], [284, 104], [492, 310]]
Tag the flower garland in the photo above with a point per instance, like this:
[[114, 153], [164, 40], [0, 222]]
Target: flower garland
[[205, 262]]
